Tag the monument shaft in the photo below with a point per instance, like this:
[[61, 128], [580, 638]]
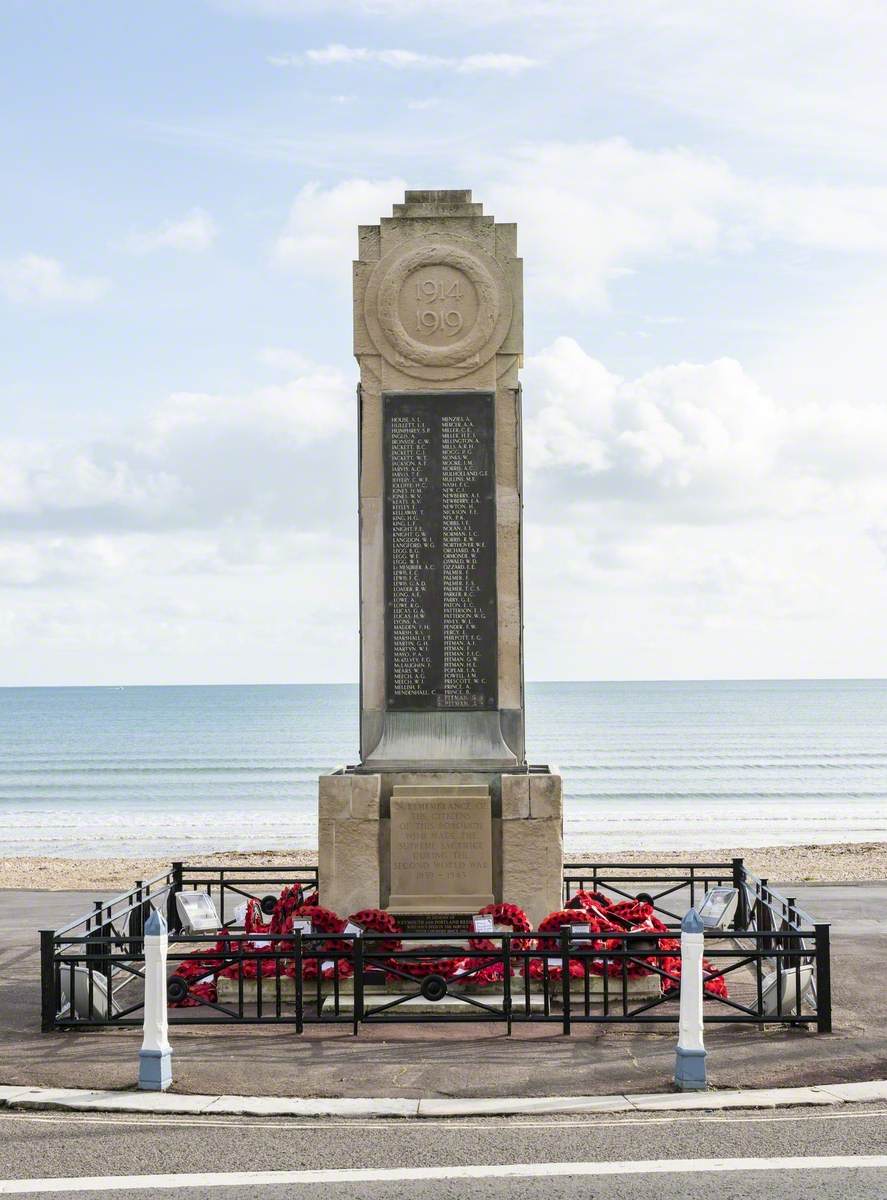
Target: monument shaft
[[438, 336], [441, 815]]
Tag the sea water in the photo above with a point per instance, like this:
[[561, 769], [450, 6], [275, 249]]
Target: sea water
[[179, 771]]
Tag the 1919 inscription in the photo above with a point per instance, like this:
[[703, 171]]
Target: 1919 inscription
[[440, 551]]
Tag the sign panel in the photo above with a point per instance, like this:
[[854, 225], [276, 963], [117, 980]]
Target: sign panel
[[441, 629]]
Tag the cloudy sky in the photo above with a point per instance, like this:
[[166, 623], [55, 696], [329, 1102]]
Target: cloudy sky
[[701, 194]]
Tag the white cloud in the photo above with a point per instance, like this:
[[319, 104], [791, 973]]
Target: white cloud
[[38, 279], [316, 405], [687, 511], [337, 54], [693, 441], [320, 235], [588, 211], [195, 231], [200, 460], [806, 76], [283, 359], [697, 443]]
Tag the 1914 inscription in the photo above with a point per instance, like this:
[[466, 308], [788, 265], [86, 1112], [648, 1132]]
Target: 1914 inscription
[[440, 551]]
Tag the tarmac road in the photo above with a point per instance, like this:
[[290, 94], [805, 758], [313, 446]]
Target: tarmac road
[[635, 1156]]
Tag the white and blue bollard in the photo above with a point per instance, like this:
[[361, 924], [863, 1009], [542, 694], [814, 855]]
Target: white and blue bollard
[[155, 1056], [689, 1071]]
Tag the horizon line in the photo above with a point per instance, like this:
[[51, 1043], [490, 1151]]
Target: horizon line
[[560, 682]]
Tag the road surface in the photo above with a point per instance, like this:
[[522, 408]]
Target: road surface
[[840, 1153]]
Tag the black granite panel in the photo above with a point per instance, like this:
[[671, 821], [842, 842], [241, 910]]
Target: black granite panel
[[440, 551]]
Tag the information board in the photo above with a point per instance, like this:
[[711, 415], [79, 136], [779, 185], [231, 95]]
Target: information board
[[440, 551]]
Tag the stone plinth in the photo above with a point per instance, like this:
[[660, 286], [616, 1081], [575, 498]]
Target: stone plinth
[[364, 862]]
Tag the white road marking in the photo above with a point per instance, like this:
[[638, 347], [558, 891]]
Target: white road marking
[[656, 1166], [408, 1125]]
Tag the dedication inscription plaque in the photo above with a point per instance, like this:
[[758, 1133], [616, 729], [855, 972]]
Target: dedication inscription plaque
[[441, 857], [440, 551]]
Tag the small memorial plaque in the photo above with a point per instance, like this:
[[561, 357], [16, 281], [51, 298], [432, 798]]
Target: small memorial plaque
[[435, 923], [441, 631]]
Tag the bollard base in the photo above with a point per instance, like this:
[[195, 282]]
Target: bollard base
[[689, 1071], [155, 1070]]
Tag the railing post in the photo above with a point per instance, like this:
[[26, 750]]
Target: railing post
[[765, 920], [566, 934], [357, 948], [740, 921], [300, 997], [689, 1072], [823, 980], [172, 913], [48, 1011], [155, 1056]]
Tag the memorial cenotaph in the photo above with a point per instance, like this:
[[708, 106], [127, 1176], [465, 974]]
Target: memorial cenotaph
[[442, 815]]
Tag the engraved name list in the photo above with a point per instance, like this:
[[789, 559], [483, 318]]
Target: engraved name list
[[440, 551]]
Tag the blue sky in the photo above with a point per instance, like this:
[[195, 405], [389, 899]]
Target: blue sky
[[702, 207]]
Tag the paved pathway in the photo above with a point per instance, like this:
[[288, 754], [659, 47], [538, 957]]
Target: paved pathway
[[454, 1060]]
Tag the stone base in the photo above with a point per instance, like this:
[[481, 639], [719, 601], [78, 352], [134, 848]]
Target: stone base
[[228, 990], [354, 838], [155, 1070], [644, 987], [689, 1072]]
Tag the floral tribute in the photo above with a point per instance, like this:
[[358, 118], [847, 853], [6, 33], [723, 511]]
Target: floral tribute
[[606, 922], [323, 920], [625, 916], [376, 920]]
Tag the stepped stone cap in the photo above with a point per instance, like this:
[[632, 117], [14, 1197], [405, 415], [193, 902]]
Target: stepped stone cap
[[449, 196], [449, 203]]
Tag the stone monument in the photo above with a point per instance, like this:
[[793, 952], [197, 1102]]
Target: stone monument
[[442, 815]]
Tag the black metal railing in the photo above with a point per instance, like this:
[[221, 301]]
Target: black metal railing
[[771, 965], [670, 886], [618, 978]]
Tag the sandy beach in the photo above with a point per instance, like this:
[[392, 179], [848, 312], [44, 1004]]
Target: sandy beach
[[841, 863]]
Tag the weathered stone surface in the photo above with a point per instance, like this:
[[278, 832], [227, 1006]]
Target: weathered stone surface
[[515, 797], [546, 797], [532, 865], [334, 798], [326, 853], [365, 797], [355, 880]]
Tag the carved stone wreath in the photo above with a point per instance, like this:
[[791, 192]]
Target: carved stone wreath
[[477, 345]]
